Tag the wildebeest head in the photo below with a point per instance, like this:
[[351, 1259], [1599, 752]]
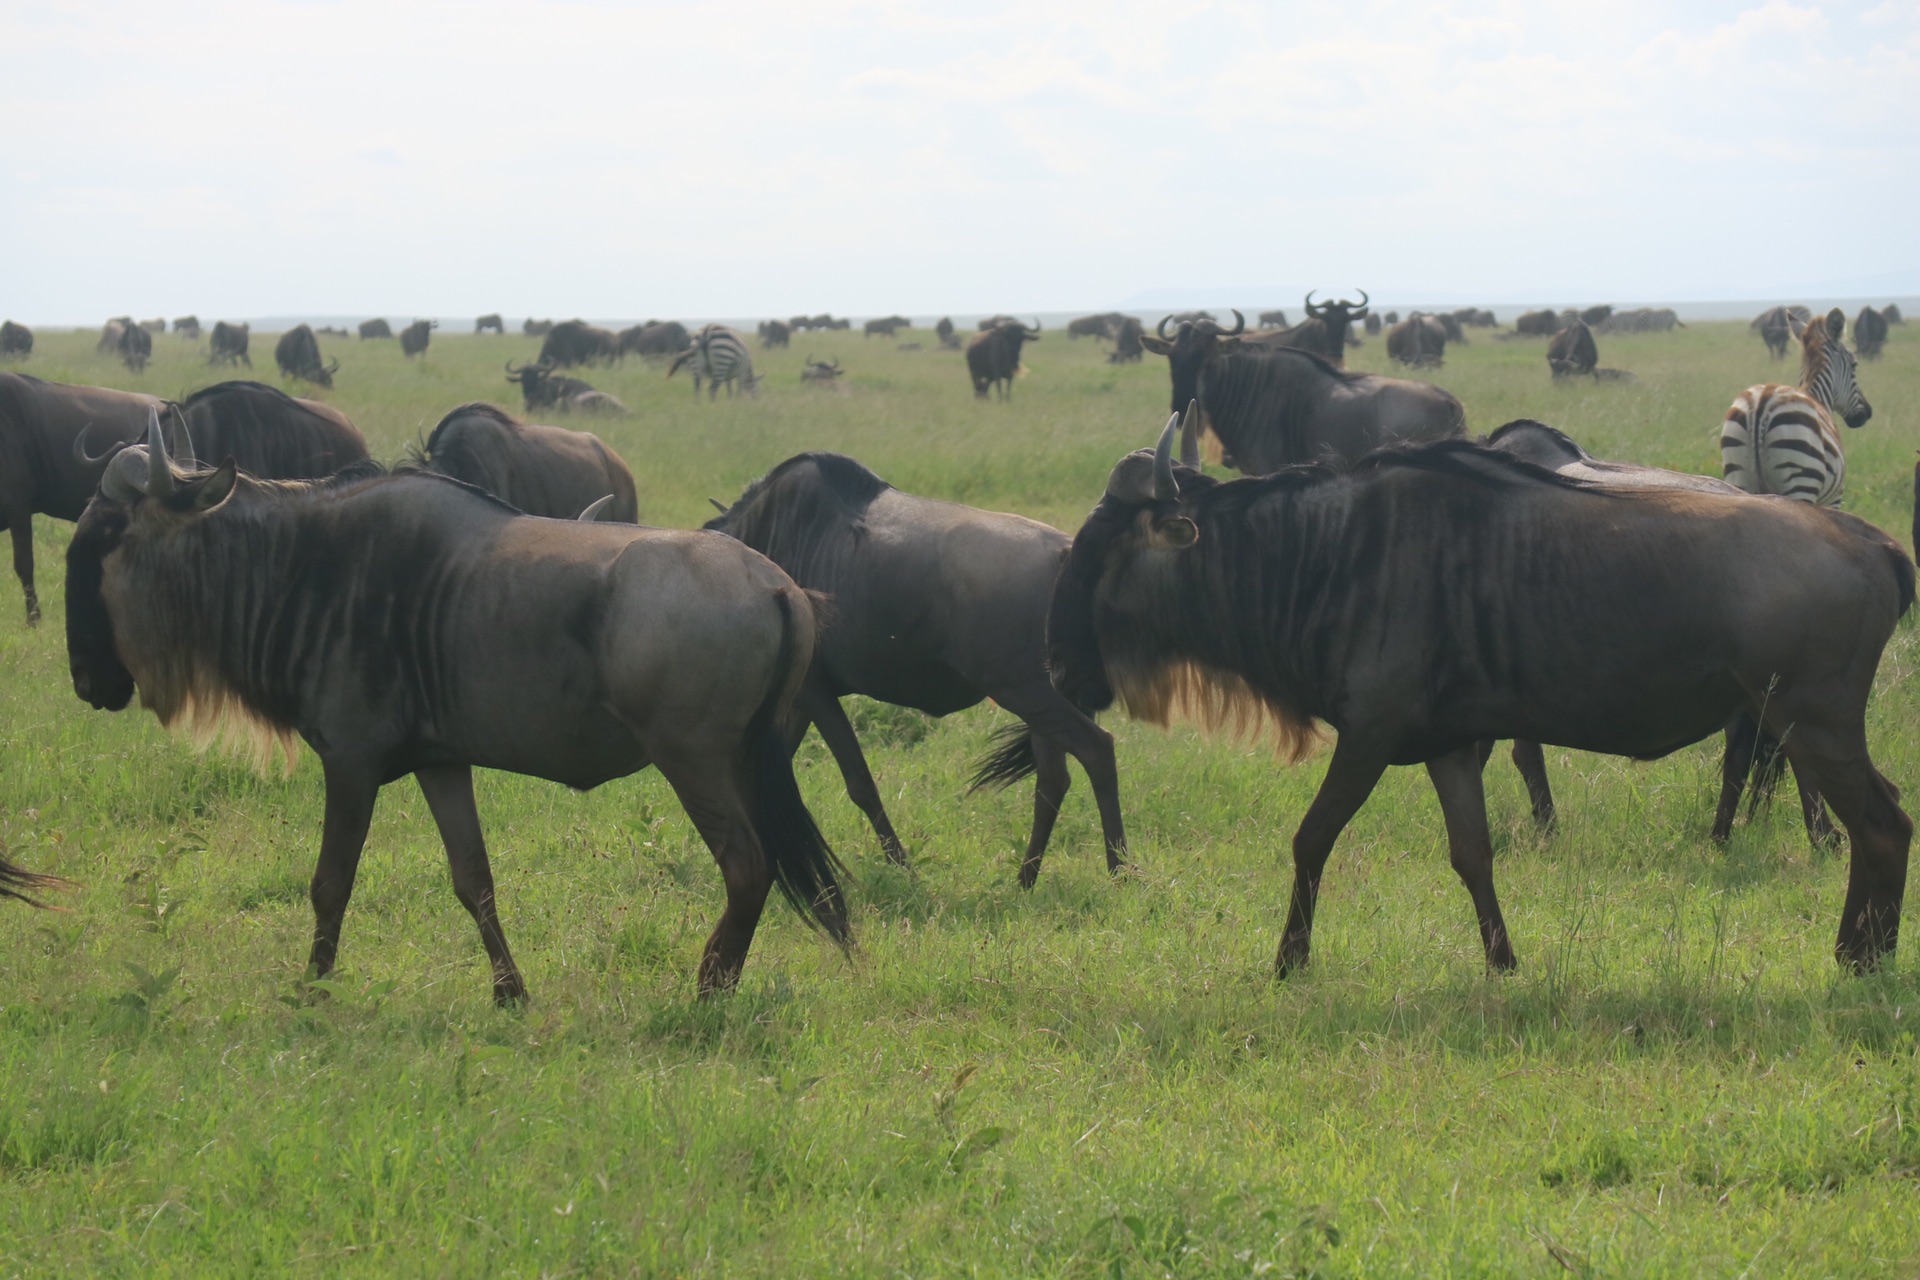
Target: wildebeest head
[[1828, 371], [143, 497], [1338, 317], [1187, 352]]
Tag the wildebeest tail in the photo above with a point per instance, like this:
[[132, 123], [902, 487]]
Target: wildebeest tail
[[1010, 760], [16, 883], [802, 863], [1903, 574]]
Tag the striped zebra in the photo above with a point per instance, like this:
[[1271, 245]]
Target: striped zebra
[[1782, 440], [718, 354]]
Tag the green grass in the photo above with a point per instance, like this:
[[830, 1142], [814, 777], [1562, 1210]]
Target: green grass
[[1096, 1078]]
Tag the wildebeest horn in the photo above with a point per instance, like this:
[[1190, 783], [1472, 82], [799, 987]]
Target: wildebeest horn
[[1164, 487], [183, 442], [85, 459], [333, 365], [159, 470], [1313, 310], [509, 367], [594, 508], [1364, 299], [719, 506], [1239, 325], [1161, 328], [1036, 324]]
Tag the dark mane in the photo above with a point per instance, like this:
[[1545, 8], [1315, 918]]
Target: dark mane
[[1245, 385], [1465, 459], [796, 523], [846, 479], [1327, 366], [235, 387], [417, 454]]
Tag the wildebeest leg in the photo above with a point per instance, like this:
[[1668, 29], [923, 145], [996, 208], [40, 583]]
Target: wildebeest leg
[[1463, 802], [1736, 762], [709, 789], [343, 833], [1820, 831], [1880, 834], [1351, 776], [21, 526], [825, 711], [1531, 761], [1051, 716], [449, 793], [1051, 781]]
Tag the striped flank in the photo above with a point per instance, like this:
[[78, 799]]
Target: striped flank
[[1780, 440]]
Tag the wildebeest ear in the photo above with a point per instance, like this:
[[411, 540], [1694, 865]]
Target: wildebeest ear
[[1159, 346], [202, 495], [1176, 533]]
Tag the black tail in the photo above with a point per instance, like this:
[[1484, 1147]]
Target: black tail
[[15, 882], [1009, 761], [803, 864], [1769, 763]]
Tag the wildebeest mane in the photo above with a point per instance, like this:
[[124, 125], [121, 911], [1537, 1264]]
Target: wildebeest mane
[[420, 455], [1252, 386], [801, 533]]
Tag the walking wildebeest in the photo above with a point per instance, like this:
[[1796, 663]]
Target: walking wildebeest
[[15, 339], [775, 333], [573, 342], [935, 606], [1128, 346], [1573, 351], [490, 324], [298, 355], [536, 328], [1537, 324], [372, 329], [885, 326], [1271, 406], [229, 344], [40, 471], [412, 624], [188, 327], [1429, 599], [1419, 341], [542, 388], [993, 357], [413, 338], [1273, 320], [1869, 333], [542, 471]]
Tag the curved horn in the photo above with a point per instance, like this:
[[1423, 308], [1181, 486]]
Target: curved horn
[[594, 508], [1161, 328], [1364, 300], [1311, 309], [182, 440], [509, 367], [159, 470], [85, 459], [1165, 489], [333, 365], [1036, 323], [1239, 325], [719, 506]]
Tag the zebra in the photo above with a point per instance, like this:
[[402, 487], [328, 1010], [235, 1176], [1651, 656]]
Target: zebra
[[1782, 440], [718, 354]]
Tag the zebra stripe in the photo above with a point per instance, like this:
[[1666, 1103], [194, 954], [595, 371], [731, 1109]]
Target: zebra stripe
[[718, 355], [1780, 440]]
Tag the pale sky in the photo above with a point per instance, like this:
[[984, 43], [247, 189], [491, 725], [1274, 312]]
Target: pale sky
[[623, 160]]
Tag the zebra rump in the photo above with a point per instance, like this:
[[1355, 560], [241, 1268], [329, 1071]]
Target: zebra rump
[[719, 355], [1780, 440]]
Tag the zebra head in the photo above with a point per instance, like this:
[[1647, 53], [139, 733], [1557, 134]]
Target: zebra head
[[1828, 370]]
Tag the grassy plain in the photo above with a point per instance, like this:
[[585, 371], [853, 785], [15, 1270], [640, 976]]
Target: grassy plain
[[1096, 1078]]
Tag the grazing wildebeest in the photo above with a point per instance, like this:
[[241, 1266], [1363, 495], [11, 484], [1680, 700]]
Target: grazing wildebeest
[[720, 356], [993, 357], [536, 328], [543, 471], [15, 339], [944, 332], [1869, 333], [298, 355], [42, 471], [413, 338], [1430, 599], [1573, 351], [542, 388], [1273, 320], [490, 324], [370, 329], [156, 325], [775, 333], [1272, 406], [1128, 347], [127, 340], [331, 331], [1892, 312], [935, 606], [411, 624], [653, 339], [1103, 325], [188, 327], [229, 344], [1537, 324], [1641, 320], [573, 342], [821, 370], [1419, 341], [885, 326]]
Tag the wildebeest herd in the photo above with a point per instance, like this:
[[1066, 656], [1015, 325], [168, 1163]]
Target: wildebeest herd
[[491, 600]]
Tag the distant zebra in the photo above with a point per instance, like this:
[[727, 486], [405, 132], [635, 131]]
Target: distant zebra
[[718, 354], [1782, 440]]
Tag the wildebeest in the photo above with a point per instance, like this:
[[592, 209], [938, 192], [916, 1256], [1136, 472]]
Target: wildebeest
[[229, 344], [542, 388], [41, 470], [370, 329], [1892, 313], [1537, 324], [1127, 345], [719, 355], [573, 342], [15, 339], [1573, 351], [123, 338], [1779, 325], [1869, 333], [331, 331], [269, 434], [536, 328], [1273, 320], [775, 333], [414, 338], [543, 471], [298, 355], [935, 606], [1272, 406], [885, 326], [944, 332], [652, 339], [1476, 318], [188, 327], [994, 322], [490, 324], [1393, 317], [411, 624], [1428, 599], [1372, 323], [993, 357], [1641, 320], [155, 325], [1104, 325], [1419, 341], [820, 370], [1331, 323]]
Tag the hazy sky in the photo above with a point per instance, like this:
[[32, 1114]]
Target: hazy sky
[[715, 158]]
